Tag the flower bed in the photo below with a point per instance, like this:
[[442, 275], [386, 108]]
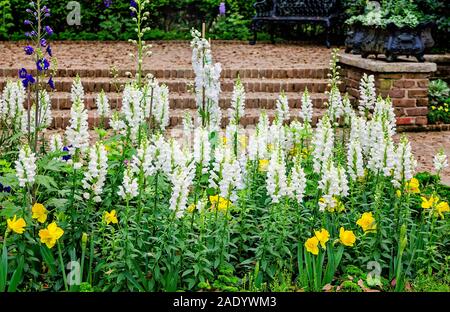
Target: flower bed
[[284, 207]]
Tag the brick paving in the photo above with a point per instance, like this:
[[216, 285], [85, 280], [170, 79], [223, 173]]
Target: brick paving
[[425, 145]]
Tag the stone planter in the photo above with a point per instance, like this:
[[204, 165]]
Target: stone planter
[[392, 41]]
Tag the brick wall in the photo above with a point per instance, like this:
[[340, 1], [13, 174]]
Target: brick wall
[[408, 91]]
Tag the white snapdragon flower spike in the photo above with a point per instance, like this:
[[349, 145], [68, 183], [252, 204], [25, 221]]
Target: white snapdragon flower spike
[[347, 108], [252, 147], [297, 181], [342, 181], [188, 128], [161, 106], [384, 111], [359, 131], [117, 124], [26, 166], [355, 161], [405, 164], [12, 104], [143, 160], [45, 114], [306, 112], [132, 110], [294, 134], [56, 143], [440, 161], [77, 133], [282, 109], [276, 182], [215, 175], [381, 153], [237, 109], [368, 97], [202, 148], [335, 105], [181, 180], [176, 155], [330, 184], [163, 155], [232, 179], [77, 91], [95, 176], [207, 81], [262, 136], [323, 142], [129, 188], [102, 104]]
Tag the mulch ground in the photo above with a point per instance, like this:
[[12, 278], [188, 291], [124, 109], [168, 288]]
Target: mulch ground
[[169, 55]]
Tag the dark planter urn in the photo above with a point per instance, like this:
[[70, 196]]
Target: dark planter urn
[[392, 41]]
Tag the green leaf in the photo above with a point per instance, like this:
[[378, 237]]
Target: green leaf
[[17, 276]]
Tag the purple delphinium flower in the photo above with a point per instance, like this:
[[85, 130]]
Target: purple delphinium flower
[[133, 4], [49, 51], [51, 83], [68, 156], [222, 8], [29, 79], [27, 22], [43, 43], [107, 3], [28, 50], [42, 64], [49, 30], [23, 73], [7, 189]]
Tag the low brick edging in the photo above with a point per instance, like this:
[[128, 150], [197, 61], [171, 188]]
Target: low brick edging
[[406, 83]]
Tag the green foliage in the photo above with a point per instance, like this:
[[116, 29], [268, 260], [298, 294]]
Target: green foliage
[[6, 18], [438, 282], [403, 13], [439, 96]]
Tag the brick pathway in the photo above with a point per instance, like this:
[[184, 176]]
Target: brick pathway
[[425, 145]]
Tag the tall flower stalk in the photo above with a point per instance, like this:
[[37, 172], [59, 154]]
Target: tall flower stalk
[[140, 15], [41, 51]]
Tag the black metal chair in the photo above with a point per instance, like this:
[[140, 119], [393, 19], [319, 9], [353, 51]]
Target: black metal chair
[[272, 12]]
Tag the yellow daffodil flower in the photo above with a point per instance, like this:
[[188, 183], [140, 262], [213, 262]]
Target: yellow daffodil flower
[[323, 236], [312, 245], [429, 203], [51, 234], [16, 225], [263, 165], [111, 217], [347, 238], [413, 186], [367, 222], [191, 208], [441, 208], [39, 212], [219, 203]]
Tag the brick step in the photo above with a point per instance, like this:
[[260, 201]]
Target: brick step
[[306, 71], [184, 85], [61, 118], [62, 101]]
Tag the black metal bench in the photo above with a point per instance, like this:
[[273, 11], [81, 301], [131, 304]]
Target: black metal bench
[[274, 12]]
